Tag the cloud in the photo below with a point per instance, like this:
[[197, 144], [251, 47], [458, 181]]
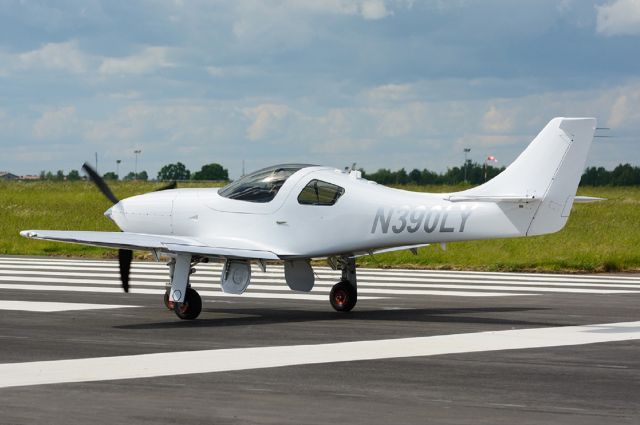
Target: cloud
[[373, 10], [148, 60], [497, 121], [57, 56], [267, 118], [620, 17], [56, 123]]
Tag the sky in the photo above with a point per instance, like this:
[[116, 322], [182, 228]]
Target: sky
[[383, 83]]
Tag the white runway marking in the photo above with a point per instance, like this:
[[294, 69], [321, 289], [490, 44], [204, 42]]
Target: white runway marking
[[53, 307], [151, 278], [223, 360], [117, 290]]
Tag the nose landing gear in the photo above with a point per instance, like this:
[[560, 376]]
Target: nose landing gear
[[190, 305]]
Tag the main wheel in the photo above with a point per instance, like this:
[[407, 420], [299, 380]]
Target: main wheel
[[191, 307], [343, 296]]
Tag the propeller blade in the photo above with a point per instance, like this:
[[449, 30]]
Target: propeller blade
[[100, 183], [171, 185], [124, 258]]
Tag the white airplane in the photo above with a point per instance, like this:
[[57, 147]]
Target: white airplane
[[294, 213]]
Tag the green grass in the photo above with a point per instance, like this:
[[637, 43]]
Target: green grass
[[603, 236]]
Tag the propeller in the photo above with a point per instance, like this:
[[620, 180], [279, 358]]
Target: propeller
[[124, 255], [97, 180], [124, 258]]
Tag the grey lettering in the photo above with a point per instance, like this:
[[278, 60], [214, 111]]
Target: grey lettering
[[384, 221], [403, 221], [443, 224], [465, 216], [416, 220], [435, 213]]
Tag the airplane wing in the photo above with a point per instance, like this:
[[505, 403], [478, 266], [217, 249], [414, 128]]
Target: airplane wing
[[162, 243]]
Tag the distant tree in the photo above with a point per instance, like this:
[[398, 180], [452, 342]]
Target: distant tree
[[59, 175], [176, 171], [73, 175], [110, 176], [415, 176], [402, 177], [142, 175], [129, 177], [211, 172], [49, 176], [43, 175]]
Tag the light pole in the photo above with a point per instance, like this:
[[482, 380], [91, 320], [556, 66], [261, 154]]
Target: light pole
[[466, 151], [118, 161], [137, 152]]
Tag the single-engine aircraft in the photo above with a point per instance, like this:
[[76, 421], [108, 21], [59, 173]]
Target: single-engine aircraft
[[294, 213]]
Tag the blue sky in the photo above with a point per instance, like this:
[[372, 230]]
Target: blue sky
[[384, 83]]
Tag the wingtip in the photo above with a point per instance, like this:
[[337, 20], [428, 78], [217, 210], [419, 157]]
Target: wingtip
[[28, 233]]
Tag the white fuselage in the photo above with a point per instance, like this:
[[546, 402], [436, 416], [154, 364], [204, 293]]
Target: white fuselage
[[367, 216]]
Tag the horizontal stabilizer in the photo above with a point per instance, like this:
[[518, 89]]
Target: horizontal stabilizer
[[587, 199], [492, 198]]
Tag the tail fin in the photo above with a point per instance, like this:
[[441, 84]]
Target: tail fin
[[549, 170]]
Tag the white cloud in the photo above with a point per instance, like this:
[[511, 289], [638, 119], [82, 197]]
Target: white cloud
[[56, 123], [61, 56], [390, 92], [148, 60], [373, 10], [497, 121], [620, 17], [267, 118]]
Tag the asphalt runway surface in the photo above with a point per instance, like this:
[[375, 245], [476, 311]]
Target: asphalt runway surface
[[420, 347]]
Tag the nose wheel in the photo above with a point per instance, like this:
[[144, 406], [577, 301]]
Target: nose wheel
[[189, 309], [343, 296]]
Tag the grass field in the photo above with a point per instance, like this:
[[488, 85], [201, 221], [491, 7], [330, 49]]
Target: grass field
[[598, 237]]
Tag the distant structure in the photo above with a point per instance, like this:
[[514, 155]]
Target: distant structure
[[30, 177], [5, 175]]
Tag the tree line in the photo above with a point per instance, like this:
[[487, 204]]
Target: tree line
[[177, 171], [475, 173]]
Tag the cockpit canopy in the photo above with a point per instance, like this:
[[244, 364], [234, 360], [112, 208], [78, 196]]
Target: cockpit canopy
[[261, 186]]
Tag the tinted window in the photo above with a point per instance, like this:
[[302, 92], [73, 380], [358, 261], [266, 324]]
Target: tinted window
[[317, 192], [261, 186]]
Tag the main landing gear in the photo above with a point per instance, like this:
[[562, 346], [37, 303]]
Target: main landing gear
[[344, 294], [181, 298]]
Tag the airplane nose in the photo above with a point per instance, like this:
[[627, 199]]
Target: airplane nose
[[110, 212]]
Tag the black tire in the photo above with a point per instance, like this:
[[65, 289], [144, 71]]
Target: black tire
[[343, 296], [191, 307]]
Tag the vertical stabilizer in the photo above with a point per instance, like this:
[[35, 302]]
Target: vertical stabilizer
[[549, 170]]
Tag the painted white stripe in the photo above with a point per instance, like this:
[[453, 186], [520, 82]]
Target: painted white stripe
[[145, 277], [116, 290], [361, 289], [397, 272], [224, 360], [263, 277], [51, 307]]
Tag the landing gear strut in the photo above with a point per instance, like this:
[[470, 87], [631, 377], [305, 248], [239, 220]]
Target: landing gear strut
[[189, 305], [344, 294]]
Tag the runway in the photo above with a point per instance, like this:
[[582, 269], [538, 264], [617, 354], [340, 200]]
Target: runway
[[420, 347]]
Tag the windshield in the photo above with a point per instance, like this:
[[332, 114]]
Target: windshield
[[262, 185]]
